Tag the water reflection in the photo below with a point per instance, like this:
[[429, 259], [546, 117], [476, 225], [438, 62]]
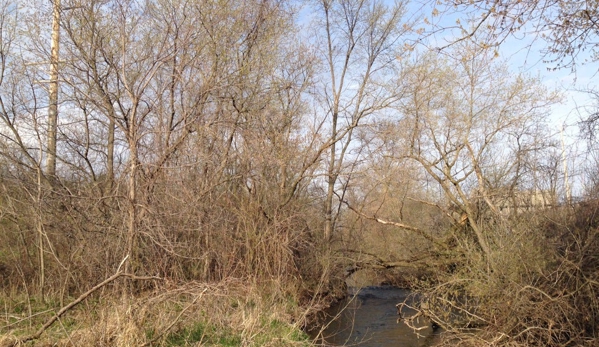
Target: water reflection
[[369, 319]]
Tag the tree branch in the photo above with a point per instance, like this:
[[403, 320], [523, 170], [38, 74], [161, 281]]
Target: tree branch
[[397, 224]]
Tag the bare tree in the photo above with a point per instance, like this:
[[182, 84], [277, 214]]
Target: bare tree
[[361, 41], [217, 120], [471, 126]]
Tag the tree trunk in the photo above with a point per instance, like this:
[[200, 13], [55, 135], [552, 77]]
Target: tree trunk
[[331, 179], [110, 153], [53, 97]]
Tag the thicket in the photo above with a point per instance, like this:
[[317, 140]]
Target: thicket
[[180, 195], [221, 166], [538, 287]]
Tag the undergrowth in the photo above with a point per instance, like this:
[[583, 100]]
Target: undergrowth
[[228, 313]]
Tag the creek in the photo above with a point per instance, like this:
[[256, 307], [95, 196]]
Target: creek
[[368, 318]]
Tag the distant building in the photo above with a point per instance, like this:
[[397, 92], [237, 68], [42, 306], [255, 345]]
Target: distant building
[[525, 200]]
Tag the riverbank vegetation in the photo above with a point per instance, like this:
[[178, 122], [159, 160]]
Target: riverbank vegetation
[[179, 173], [231, 312]]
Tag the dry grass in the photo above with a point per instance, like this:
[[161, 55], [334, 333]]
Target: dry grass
[[231, 312]]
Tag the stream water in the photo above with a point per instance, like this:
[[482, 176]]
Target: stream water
[[368, 318]]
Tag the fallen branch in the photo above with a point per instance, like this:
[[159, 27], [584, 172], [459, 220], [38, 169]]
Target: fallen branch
[[409, 321], [77, 301], [412, 320], [397, 224], [379, 263]]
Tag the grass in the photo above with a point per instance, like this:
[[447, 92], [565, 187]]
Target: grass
[[198, 333], [186, 336], [231, 313], [291, 333]]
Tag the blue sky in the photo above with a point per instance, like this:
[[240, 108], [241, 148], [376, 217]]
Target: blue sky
[[524, 54]]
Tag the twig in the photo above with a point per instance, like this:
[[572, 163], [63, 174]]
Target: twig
[[122, 262], [20, 319]]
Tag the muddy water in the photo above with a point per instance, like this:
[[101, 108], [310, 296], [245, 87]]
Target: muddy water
[[368, 318]]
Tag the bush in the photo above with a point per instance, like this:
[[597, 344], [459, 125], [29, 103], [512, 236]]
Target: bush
[[538, 288]]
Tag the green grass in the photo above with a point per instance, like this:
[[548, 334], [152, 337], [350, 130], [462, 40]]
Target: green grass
[[208, 335], [202, 333], [186, 336], [276, 330]]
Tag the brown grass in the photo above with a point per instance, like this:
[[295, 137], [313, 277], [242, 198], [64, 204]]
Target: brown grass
[[224, 313]]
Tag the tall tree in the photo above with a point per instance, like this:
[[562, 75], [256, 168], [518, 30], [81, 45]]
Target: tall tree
[[360, 42]]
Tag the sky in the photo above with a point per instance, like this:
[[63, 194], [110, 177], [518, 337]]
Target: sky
[[523, 54]]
